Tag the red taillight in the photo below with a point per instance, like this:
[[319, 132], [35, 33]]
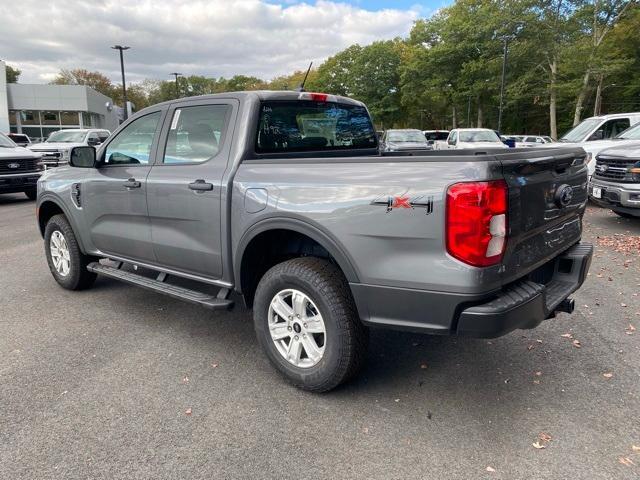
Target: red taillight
[[316, 97], [477, 222]]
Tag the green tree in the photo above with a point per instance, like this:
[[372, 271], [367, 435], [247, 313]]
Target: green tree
[[13, 74], [80, 76]]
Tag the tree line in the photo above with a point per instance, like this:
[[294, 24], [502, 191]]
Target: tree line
[[565, 60]]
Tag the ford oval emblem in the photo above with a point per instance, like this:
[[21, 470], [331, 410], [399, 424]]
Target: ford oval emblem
[[13, 165], [564, 195], [603, 168]]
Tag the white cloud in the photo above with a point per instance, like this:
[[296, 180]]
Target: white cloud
[[213, 38]]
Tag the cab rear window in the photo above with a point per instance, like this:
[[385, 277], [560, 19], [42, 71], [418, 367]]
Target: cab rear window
[[303, 125]]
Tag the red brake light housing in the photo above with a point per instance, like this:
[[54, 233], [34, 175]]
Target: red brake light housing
[[317, 97], [476, 222]]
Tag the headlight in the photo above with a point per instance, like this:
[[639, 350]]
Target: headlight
[[65, 155]]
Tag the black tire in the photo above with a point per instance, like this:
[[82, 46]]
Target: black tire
[[31, 193], [346, 342], [78, 277], [624, 214]]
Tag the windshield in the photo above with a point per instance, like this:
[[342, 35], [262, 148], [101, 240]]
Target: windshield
[[401, 136], [6, 142], [479, 136], [66, 136], [580, 131], [632, 133]]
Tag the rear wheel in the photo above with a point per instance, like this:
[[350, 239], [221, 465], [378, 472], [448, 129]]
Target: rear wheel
[[307, 324], [31, 193], [67, 263]]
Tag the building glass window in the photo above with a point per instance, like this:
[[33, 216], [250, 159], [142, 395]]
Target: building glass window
[[46, 131], [33, 132], [69, 118], [50, 118], [30, 117], [86, 120]]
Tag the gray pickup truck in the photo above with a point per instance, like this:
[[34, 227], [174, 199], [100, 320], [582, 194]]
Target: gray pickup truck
[[284, 200]]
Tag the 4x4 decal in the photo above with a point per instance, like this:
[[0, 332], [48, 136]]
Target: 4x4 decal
[[402, 201]]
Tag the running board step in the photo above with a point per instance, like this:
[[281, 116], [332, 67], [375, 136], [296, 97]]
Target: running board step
[[193, 296]]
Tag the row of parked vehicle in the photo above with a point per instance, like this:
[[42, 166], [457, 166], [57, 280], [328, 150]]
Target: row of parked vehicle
[[612, 143], [22, 162]]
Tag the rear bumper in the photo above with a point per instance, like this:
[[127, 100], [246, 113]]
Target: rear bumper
[[522, 305]]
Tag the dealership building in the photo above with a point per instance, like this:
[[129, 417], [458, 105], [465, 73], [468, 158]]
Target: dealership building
[[38, 110]]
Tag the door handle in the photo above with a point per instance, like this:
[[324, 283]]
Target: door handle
[[132, 183], [200, 185]]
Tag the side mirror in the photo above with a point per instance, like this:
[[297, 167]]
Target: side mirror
[[82, 157], [597, 135]]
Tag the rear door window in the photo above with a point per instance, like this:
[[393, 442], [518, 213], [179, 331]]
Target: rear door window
[[299, 126]]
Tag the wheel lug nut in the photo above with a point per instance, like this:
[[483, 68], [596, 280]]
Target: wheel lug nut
[[296, 337], [289, 328], [298, 316], [304, 325]]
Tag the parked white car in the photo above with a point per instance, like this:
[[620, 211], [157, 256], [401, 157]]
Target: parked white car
[[461, 138], [55, 149], [527, 141]]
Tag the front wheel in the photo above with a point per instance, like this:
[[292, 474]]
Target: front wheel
[[307, 324], [66, 261]]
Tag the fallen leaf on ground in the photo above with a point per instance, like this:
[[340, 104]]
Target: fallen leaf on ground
[[626, 461], [365, 430], [490, 469], [607, 375], [187, 411], [545, 437], [576, 343], [538, 374], [635, 448], [185, 380], [566, 335], [531, 347], [630, 329], [214, 365], [423, 366], [538, 445]]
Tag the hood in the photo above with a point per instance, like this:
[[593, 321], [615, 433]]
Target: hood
[[597, 146], [481, 145], [55, 146], [630, 149], [17, 152]]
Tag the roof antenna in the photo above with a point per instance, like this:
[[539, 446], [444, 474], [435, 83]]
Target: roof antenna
[[301, 87]]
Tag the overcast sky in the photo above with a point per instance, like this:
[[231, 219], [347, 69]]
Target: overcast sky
[[264, 38]]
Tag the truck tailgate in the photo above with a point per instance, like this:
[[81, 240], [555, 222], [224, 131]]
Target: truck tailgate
[[547, 198]]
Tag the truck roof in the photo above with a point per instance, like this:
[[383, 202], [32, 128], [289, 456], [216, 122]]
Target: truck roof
[[267, 95]]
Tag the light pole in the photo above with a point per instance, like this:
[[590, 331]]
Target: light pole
[[124, 87], [176, 74], [504, 73]]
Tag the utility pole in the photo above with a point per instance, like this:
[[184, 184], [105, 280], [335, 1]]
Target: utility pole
[[504, 73], [469, 112], [177, 74], [124, 87]]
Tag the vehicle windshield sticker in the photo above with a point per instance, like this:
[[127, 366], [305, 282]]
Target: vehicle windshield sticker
[[176, 117]]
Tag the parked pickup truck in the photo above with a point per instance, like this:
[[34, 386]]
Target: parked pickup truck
[[283, 199], [465, 138], [616, 181], [55, 149]]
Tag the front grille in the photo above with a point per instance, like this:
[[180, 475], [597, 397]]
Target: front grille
[[614, 168], [19, 165], [50, 154]]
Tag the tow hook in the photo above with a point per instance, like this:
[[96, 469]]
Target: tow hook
[[567, 305]]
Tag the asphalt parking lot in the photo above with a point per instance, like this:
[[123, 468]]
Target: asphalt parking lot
[[116, 382]]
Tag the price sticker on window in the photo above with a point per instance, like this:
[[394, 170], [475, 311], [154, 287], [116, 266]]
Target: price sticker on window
[[176, 117]]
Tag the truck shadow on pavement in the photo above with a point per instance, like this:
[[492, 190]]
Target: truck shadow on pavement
[[435, 373]]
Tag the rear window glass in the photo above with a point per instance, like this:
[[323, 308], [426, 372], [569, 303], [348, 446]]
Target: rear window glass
[[298, 126]]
